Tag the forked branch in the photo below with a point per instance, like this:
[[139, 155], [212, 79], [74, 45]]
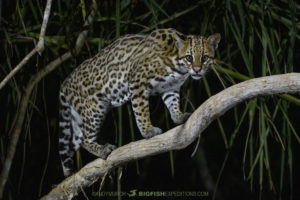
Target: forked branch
[[180, 136]]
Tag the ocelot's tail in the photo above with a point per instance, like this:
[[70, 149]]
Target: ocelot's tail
[[66, 150]]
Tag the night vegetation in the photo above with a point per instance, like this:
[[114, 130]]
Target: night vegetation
[[251, 152]]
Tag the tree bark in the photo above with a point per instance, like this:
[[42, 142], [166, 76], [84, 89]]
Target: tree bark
[[180, 136]]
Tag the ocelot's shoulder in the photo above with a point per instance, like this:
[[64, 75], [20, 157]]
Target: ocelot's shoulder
[[164, 39]]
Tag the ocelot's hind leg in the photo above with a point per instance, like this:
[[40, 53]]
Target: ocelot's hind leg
[[91, 130], [101, 151]]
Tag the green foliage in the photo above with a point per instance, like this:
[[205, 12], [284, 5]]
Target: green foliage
[[259, 38]]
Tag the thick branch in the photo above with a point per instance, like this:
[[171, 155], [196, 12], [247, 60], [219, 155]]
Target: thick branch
[[20, 115], [38, 48], [180, 136]]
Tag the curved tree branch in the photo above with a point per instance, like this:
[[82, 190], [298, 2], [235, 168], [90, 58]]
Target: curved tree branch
[[180, 136], [34, 80]]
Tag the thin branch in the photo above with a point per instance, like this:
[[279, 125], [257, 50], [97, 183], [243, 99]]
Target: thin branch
[[180, 136], [39, 48], [20, 115]]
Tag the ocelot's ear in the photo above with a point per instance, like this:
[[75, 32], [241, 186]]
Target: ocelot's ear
[[179, 40], [213, 41]]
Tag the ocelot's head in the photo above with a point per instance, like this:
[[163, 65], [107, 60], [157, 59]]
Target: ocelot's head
[[196, 53]]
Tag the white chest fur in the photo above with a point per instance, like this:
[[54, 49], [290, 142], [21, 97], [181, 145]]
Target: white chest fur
[[171, 82]]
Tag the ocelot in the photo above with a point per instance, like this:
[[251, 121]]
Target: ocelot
[[132, 68]]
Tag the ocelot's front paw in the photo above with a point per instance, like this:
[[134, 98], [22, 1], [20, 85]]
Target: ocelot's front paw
[[182, 118], [107, 149], [152, 132]]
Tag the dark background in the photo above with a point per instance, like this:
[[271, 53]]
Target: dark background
[[265, 31]]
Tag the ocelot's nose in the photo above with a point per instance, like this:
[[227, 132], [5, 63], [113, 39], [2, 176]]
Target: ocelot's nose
[[196, 68]]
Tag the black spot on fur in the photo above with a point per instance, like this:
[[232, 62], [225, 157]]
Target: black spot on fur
[[64, 157], [69, 163], [99, 95], [62, 146], [170, 41], [181, 36], [168, 96], [63, 98], [135, 87], [159, 79]]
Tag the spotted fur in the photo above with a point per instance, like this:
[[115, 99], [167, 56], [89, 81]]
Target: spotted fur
[[132, 68]]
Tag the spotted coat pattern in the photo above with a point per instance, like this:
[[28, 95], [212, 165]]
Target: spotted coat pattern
[[132, 68]]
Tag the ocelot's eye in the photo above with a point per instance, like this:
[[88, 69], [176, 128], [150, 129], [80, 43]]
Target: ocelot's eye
[[204, 58], [189, 58]]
